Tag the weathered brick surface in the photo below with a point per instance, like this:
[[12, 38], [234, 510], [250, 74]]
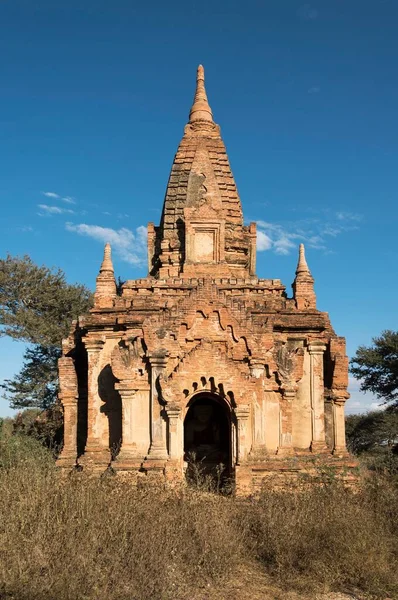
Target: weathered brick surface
[[202, 325]]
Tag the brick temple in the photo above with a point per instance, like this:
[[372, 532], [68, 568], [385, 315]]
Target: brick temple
[[202, 359]]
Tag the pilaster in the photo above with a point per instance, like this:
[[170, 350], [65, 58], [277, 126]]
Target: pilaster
[[339, 448], [242, 413], [286, 423], [68, 397], [173, 412], [128, 455], [96, 455], [318, 440], [158, 448], [252, 247]]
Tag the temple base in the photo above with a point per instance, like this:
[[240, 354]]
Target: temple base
[[96, 459]]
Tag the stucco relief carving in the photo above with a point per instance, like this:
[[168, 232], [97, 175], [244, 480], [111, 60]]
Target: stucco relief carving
[[127, 361], [289, 362]]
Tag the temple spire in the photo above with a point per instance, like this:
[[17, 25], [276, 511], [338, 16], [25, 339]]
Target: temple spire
[[105, 289], [302, 266], [200, 110], [303, 284], [107, 264]]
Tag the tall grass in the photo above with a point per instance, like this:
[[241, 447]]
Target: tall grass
[[89, 539]]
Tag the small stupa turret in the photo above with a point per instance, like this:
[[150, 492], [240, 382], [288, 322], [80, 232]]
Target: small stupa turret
[[105, 289], [303, 285]]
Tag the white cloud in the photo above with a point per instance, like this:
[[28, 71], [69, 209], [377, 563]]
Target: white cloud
[[271, 236], [314, 232], [376, 406], [315, 89], [55, 196], [264, 242], [53, 210], [283, 245], [50, 194], [130, 246], [348, 216], [355, 404]]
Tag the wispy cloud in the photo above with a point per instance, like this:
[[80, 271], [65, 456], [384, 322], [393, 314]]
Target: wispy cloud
[[53, 210], [69, 200], [130, 246], [55, 196], [348, 216], [315, 89], [315, 232], [51, 195], [264, 242]]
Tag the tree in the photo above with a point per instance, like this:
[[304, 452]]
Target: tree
[[36, 384], [373, 431], [377, 367], [37, 306]]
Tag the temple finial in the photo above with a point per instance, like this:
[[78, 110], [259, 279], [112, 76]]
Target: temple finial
[[105, 288], [200, 110], [302, 266], [107, 264], [303, 284]]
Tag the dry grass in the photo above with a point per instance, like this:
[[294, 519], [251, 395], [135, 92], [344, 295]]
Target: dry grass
[[90, 539], [328, 536]]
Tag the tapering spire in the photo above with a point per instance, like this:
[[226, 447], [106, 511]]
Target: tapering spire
[[105, 289], [302, 266], [200, 180], [200, 110], [107, 264], [303, 284]]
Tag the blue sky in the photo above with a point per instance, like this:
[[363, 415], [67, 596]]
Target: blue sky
[[94, 97]]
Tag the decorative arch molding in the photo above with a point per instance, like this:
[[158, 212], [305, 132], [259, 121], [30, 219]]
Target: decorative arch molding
[[226, 399], [183, 333], [208, 369]]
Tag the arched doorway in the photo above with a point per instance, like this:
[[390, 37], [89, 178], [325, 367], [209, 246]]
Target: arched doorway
[[207, 434]]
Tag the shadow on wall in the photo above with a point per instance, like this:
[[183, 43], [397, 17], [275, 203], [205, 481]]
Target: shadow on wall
[[81, 365], [112, 408]]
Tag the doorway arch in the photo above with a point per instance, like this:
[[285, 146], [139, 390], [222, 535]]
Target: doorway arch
[[208, 433]]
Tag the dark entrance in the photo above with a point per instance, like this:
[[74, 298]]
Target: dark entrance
[[207, 434]]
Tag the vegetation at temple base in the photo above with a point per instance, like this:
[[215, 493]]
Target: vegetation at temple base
[[37, 306], [376, 367], [373, 437], [92, 538]]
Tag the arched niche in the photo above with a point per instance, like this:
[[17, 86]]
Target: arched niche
[[208, 433]]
